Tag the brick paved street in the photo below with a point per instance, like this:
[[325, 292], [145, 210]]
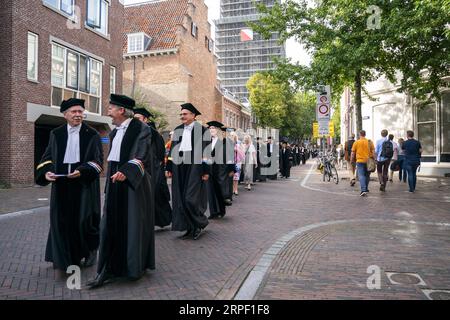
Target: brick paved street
[[325, 262]]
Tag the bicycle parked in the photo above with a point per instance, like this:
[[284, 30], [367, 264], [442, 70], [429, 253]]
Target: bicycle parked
[[327, 166]]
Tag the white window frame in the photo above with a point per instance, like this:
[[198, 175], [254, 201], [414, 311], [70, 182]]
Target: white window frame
[[428, 122], [77, 92], [35, 54], [98, 28], [194, 30], [112, 79], [141, 41], [59, 9], [442, 123]]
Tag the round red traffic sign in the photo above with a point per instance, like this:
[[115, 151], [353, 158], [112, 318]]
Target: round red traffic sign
[[323, 99], [323, 109]]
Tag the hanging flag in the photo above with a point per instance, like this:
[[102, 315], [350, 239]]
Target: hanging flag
[[246, 35]]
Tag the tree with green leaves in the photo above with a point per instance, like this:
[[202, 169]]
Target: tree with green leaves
[[300, 115], [353, 42], [159, 118], [268, 97]]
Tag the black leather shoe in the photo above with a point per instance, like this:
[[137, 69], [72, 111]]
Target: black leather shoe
[[228, 202], [212, 217], [91, 259], [100, 279], [186, 235], [197, 233]]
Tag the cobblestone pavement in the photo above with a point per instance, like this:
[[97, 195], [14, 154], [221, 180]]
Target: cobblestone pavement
[[216, 265]]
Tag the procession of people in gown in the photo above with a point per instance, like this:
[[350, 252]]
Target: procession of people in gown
[[205, 165]]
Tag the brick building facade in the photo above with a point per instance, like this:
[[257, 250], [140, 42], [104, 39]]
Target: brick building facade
[[169, 57], [52, 50], [233, 113]]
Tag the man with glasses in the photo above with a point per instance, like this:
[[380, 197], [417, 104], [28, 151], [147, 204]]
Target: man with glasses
[[189, 171], [72, 162]]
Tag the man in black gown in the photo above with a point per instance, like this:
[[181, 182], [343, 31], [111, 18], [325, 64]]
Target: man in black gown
[[127, 237], [161, 193], [72, 162], [222, 168], [189, 171]]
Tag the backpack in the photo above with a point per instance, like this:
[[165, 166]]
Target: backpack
[[349, 147], [387, 149]]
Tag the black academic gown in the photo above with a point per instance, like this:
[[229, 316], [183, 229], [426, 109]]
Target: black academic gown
[[127, 241], [189, 191], [261, 162], [222, 157], [269, 154], [75, 203], [162, 208], [285, 162]]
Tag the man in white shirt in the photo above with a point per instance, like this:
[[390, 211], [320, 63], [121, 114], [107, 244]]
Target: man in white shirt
[[72, 162], [189, 170], [127, 239]]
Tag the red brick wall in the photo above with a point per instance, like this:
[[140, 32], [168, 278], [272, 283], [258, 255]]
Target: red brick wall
[[32, 15], [5, 90], [200, 62]]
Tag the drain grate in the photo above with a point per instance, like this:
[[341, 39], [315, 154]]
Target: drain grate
[[437, 294], [403, 278]]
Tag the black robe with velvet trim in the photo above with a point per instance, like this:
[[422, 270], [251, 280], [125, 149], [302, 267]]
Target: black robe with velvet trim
[[75, 203], [127, 238], [219, 182], [161, 194], [189, 191]]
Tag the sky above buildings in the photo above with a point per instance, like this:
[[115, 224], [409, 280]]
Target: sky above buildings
[[293, 49]]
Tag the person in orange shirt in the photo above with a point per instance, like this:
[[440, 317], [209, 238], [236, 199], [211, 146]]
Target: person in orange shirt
[[362, 150], [168, 146]]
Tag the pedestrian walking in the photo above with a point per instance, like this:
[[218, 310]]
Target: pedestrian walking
[[394, 157], [384, 152], [402, 175], [285, 160], [127, 239], [363, 152], [239, 157], [348, 157], [222, 168], [273, 164], [189, 170], [413, 153], [72, 163], [250, 161], [260, 158], [160, 189]]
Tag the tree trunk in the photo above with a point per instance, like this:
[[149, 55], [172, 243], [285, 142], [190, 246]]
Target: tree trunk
[[358, 102]]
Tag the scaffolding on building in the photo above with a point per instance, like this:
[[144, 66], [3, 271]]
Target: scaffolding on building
[[239, 60]]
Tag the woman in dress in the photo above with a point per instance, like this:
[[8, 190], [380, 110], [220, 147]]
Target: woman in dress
[[238, 158], [250, 161]]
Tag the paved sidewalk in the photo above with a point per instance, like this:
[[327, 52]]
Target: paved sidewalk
[[221, 262]]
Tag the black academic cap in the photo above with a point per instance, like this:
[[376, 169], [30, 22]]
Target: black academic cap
[[216, 124], [191, 108], [144, 112], [66, 104], [122, 101]]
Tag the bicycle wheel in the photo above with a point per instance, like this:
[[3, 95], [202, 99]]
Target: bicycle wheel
[[334, 173]]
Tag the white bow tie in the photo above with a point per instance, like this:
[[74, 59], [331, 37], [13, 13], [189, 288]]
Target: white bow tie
[[189, 128]]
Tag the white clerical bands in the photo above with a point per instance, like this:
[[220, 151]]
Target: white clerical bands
[[139, 164], [95, 166]]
